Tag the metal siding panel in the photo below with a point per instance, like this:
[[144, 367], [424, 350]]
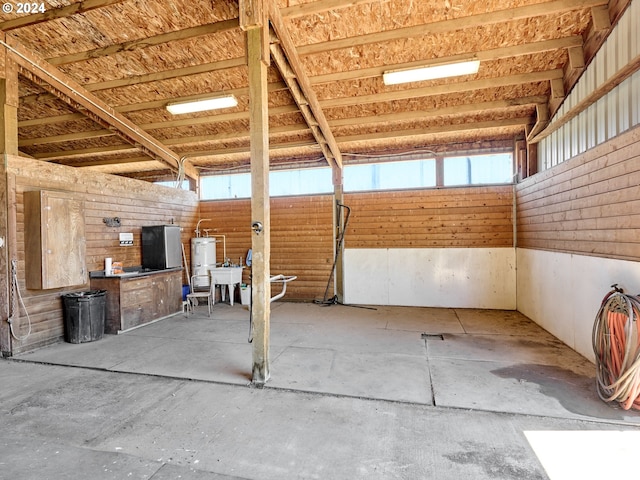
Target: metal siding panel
[[582, 131], [612, 114], [624, 100], [634, 30], [635, 99], [590, 126], [601, 120], [615, 112], [566, 135]]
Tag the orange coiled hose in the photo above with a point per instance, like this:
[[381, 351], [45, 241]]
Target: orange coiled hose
[[616, 344]]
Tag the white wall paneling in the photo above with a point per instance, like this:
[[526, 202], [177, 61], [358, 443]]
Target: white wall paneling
[[562, 292], [434, 277]]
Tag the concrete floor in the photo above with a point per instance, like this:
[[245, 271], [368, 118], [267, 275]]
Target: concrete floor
[[355, 393]]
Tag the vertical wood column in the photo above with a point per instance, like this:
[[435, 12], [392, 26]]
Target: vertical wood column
[[8, 146], [260, 208], [338, 227]]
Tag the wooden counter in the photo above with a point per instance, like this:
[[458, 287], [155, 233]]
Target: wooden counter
[[134, 300]]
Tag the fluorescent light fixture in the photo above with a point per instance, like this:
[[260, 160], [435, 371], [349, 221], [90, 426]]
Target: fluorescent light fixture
[[202, 105], [444, 70]]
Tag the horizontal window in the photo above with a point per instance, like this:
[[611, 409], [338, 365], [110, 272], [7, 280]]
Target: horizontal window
[[281, 183], [390, 175], [393, 175], [478, 169]]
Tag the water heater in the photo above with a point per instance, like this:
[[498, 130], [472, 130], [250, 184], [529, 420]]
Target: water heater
[[203, 259]]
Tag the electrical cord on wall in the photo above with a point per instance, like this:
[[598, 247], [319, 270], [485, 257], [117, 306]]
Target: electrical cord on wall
[[616, 344], [15, 309]]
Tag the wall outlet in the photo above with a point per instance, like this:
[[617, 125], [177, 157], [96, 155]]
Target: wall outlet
[[1, 242]]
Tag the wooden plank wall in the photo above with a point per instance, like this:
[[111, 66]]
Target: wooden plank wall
[[431, 218], [301, 239], [137, 203], [588, 205]]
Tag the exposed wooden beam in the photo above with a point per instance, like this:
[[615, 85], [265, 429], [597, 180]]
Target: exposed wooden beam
[[311, 8], [69, 137], [546, 8], [600, 18], [84, 152], [542, 119], [571, 42], [238, 92], [440, 112], [537, 100], [301, 101], [147, 42], [458, 87], [8, 146], [257, 59], [168, 74], [612, 82], [482, 55], [576, 57], [291, 55], [8, 103], [56, 13], [75, 95], [413, 132], [66, 156]]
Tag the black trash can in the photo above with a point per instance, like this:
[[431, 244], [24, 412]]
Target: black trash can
[[84, 316]]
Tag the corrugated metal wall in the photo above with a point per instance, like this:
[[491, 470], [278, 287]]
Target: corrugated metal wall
[[616, 112]]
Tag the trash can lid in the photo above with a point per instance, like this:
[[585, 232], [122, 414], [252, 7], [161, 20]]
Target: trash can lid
[[87, 294]]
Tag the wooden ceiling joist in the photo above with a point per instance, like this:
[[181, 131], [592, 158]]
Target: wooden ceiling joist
[[146, 42], [329, 96], [533, 48], [74, 94], [372, 119], [554, 7], [56, 13], [457, 87], [286, 58]]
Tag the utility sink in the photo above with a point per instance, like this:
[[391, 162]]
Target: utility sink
[[227, 276]]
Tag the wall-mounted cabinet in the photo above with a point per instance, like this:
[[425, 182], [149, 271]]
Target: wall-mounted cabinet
[[54, 240]]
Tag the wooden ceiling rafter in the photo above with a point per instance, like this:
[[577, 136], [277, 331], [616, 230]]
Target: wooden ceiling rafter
[[569, 43], [544, 47], [371, 119], [72, 93], [176, 35], [288, 62], [56, 13], [553, 7], [195, 154]]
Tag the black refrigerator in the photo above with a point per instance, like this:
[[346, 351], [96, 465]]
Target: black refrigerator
[[161, 247]]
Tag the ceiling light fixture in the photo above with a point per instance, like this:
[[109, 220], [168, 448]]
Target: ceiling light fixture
[[431, 72], [202, 105]]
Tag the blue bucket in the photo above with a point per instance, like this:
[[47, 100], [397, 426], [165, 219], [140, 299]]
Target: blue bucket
[[185, 292]]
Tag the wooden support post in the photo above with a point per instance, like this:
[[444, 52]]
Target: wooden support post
[[338, 223], [8, 146], [260, 208]]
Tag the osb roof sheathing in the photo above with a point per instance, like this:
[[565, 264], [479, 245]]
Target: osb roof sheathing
[[138, 55]]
